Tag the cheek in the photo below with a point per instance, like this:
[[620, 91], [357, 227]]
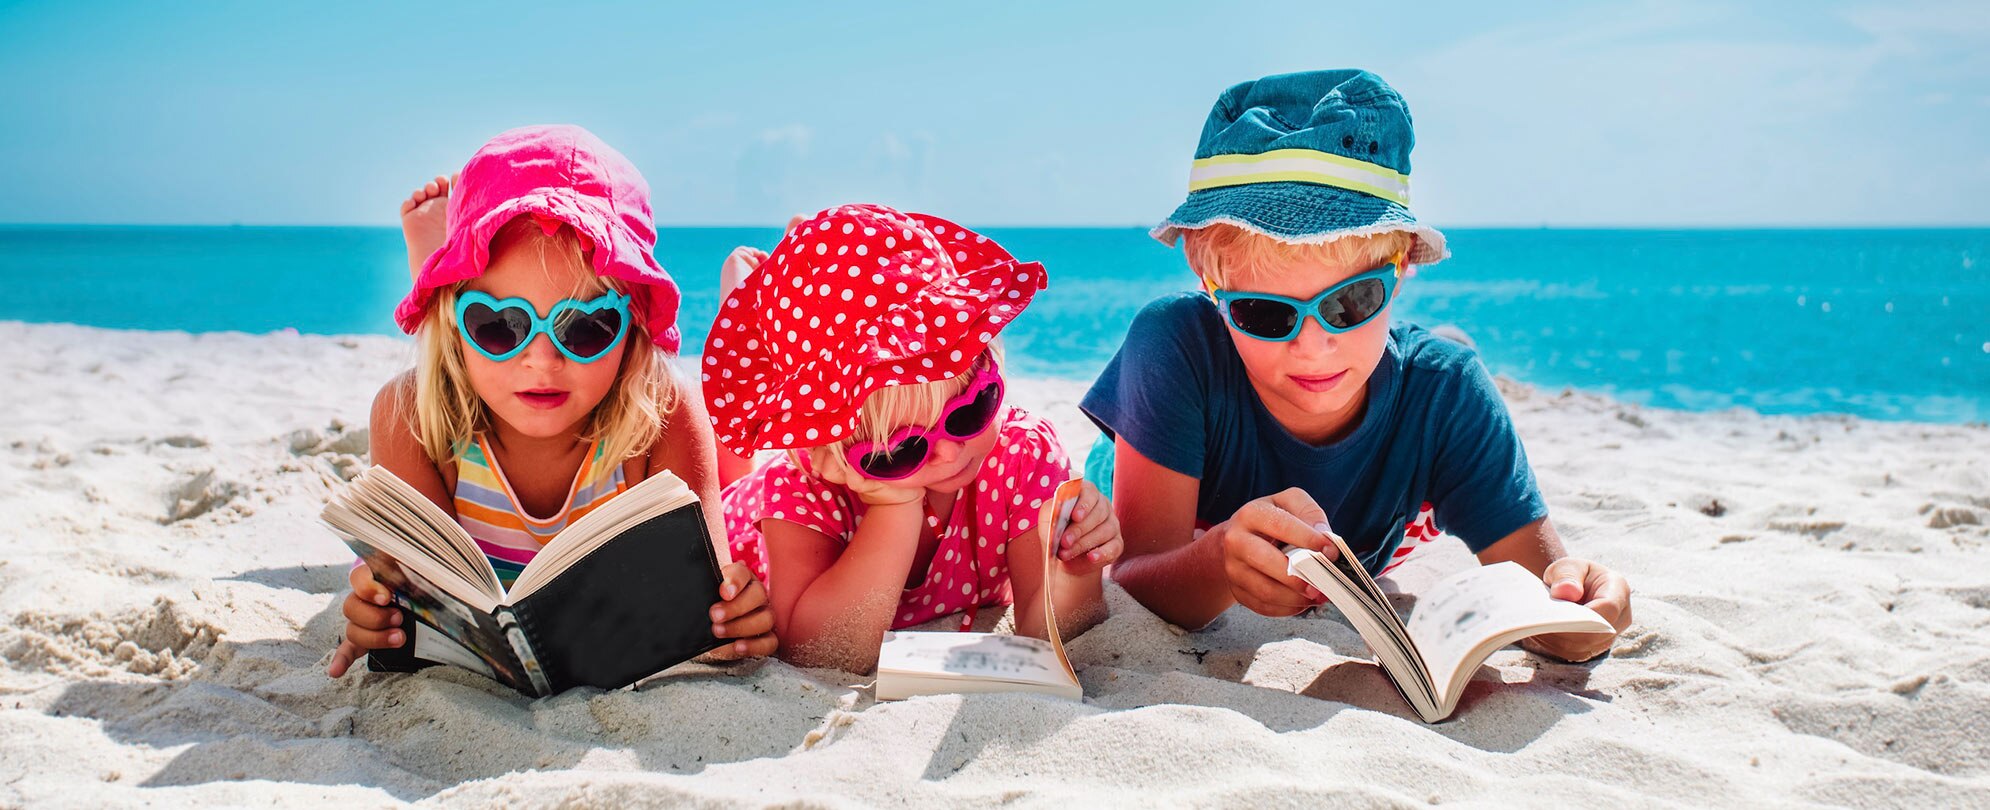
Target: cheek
[[487, 378], [1368, 342], [1262, 359], [598, 375]]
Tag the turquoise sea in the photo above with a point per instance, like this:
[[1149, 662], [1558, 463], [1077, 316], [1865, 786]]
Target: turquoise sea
[[1889, 324]]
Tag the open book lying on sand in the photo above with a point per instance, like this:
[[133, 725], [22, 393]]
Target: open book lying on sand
[[620, 594], [937, 663], [1455, 626]]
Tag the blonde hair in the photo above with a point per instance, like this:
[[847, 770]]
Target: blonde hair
[[892, 407], [448, 412], [1226, 255]]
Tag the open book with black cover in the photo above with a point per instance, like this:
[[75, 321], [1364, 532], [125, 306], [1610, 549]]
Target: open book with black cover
[[1456, 625], [912, 663], [619, 594]]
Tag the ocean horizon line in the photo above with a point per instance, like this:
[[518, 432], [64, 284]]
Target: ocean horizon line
[[1478, 227]]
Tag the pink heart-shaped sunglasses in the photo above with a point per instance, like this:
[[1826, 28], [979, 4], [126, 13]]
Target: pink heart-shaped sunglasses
[[906, 451]]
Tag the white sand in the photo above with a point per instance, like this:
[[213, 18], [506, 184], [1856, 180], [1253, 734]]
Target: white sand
[[1813, 626]]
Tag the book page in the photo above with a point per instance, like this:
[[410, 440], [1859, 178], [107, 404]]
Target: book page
[[431, 644], [657, 495], [986, 656], [380, 516], [1375, 620], [922, 663], [1468, 615], [1056, 517]]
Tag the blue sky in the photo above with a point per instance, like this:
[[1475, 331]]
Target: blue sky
[[1557, 113]]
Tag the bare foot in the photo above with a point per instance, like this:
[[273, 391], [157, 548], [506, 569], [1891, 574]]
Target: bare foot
[[740, 264], [424, 221], [743, 261]]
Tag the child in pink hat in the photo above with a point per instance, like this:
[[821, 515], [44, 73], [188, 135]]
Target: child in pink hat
[[541, 389], [865, 343]]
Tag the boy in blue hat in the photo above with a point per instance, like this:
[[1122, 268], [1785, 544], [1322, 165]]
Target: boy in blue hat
[[1279, 403]]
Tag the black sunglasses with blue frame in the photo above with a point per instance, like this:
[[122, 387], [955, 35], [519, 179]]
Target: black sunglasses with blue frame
[[1341, 308]]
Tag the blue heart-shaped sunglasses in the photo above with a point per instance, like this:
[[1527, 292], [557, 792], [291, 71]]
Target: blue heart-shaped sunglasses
[[584, 331]]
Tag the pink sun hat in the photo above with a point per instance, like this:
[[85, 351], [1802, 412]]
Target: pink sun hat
[[553, 173]]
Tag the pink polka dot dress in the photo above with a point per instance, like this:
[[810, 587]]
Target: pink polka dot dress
[[969, 568]]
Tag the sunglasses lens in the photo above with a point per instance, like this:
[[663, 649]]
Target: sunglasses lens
[[1257, 317], [496, 331], [588, 334], [896, 462], [1355, 303], [970, 419]]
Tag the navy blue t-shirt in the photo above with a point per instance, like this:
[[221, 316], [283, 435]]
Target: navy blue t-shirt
[[1434, 431]]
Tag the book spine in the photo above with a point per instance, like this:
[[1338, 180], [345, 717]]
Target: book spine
[[522, 648]]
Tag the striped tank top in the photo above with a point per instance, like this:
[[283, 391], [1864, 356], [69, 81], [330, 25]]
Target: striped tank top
[[509, 537]]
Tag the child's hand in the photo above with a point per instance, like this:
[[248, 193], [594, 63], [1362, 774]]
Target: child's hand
[[829, 467], [1091, 541], [1593, 586], [372, 622], [1255, 564], [744, 615]]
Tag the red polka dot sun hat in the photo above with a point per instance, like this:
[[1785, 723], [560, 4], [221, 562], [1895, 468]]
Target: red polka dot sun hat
[[857, 298]]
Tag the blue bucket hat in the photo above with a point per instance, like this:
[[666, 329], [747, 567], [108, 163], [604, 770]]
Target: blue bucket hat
[[1306, 158]]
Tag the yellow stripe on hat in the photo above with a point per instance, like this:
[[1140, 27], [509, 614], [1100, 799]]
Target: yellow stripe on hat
[[1301, 166]]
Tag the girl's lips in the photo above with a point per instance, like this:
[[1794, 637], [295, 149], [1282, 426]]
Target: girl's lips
[[547, 400], [1318, 384]]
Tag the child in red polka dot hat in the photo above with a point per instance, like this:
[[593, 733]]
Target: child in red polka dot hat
[[866, 345]]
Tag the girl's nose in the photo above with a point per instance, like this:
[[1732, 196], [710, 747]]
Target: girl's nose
[[945, 451], [541, 354]]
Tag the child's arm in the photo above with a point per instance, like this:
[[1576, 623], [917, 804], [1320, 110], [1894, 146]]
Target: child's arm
[[1539, 548], [1077, 591], [1189, 581], [371, 621], [833, 603], [686, 449]]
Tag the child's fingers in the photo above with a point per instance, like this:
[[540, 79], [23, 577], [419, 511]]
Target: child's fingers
[[1257, 569], [733, 578], [368, 615], [367, 588], [756, 647], [374, 639], [1086, 502], [343, 658], [746, 594], [1574, 647], [822, 463], [1565, 578], [1301, 505], [1274, 519], [758, 622], [1084, 523], [1078, 543], [1096, 558], [1265, 595], [1610, 596]]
